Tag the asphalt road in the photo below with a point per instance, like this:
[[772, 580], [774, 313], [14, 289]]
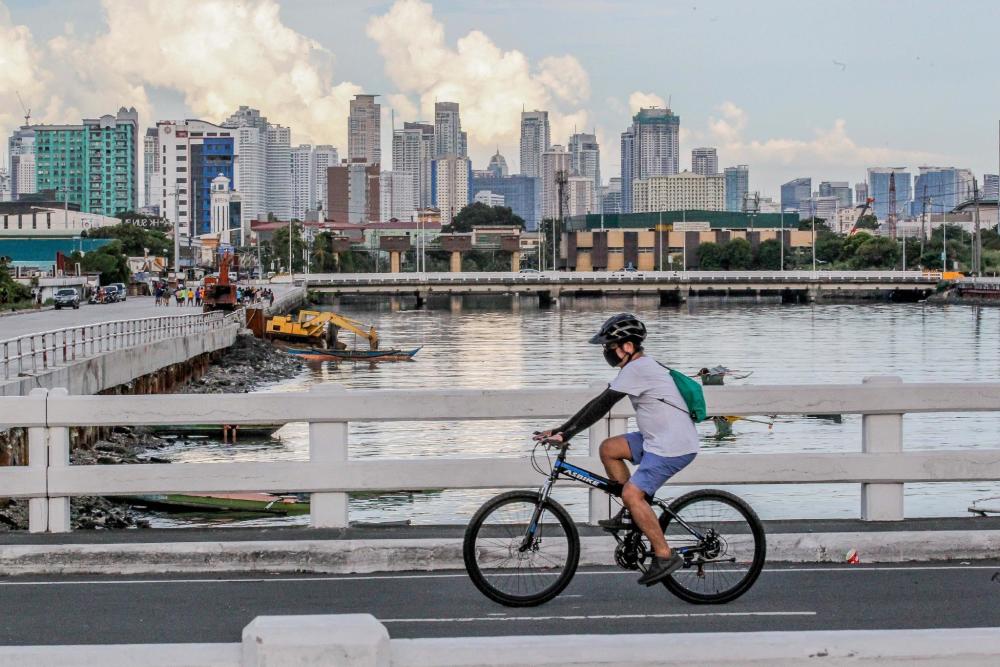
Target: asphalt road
[[135, 307], [104, 610]]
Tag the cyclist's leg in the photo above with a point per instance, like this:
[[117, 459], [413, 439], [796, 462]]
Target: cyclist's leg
[[617, 449], [652, 473]]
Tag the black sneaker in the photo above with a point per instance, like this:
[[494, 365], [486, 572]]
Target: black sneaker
[[661, 568], [620, 521]]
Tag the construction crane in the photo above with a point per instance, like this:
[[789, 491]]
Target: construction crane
[[24, 108], [864, 209], [313, 326]]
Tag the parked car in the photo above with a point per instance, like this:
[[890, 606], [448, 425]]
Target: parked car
[[68, 297], [120, 289]]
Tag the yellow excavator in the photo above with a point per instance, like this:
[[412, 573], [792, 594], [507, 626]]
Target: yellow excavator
[[318, 329]]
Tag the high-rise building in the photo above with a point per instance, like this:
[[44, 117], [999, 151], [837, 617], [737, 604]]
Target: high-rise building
[[878, 188], [611, 203], [839, 189], [452, 178], [324, 156], [354, 192], [650, 147], [4, 184], [279, 175], [991, 187], [677, 192], [704, 161], [448, 136], [264, 178], [794, 191], [737, 182], [585, 158], [522, 194], [943, 187], [488, 197], [581, 197], [413, 152], [364, 130], [535, 140], [555, 165], [193, 153], [151, 169], [824, 208], [21, 152], [498, 165], [396, 193], [94, 165], [860, 193], [303, 183]]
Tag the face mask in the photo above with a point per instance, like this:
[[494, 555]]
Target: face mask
[[611, 356]]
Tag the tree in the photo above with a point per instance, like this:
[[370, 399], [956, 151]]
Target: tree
[[479, 214], [737, 255], [769, 255], [829, 247], [136, 240], [868, 222], [710, 256], [279, 246], [11, 291], [877, 252], [108, 260]]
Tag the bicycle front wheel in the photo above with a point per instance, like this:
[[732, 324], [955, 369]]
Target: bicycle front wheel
[[515, 570], [723, 545]]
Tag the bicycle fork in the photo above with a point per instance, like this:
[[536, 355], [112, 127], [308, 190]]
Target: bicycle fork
[[529, 536]]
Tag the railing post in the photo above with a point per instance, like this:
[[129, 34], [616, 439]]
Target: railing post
[[58, 458], [328, 444], [38, 459], [599, 501], [882, 434]]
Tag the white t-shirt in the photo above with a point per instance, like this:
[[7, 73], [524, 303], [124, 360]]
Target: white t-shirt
[[666, 430]]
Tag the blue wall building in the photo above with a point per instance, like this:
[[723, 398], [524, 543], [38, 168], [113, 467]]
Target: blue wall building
[[522, 194], [209, 159], [878, 188]]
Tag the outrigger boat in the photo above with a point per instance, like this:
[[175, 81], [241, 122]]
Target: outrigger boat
[[319, 354], [258, 503], [985, 506]]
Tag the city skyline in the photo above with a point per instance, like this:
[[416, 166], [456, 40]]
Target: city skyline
[[822, 130]]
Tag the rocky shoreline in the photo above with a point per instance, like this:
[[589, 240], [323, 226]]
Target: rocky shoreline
[[245, 366]]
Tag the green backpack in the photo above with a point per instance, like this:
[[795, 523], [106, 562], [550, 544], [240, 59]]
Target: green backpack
[[692, 393]]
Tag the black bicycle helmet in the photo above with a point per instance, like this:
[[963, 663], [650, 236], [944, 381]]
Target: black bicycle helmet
[[621, 328]]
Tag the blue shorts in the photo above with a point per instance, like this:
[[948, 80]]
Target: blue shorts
[[654, 470]]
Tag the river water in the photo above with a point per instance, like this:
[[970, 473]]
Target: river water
[[493, 346]]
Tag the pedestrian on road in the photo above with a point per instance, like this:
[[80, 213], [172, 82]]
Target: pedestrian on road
[[198, 296], [190, 296], [179, 294], [270, 297]]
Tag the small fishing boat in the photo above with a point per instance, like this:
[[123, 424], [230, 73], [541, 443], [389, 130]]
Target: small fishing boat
[[210, 430], [263, 503], [985, 506], [716, 375], [319, 354]]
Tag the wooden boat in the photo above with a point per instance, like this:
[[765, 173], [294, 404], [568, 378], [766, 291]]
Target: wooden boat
[[319, 354], [216, 430], [261, 503]]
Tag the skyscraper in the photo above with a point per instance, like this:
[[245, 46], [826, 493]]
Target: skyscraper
[[535, 140], [354, 192], [585, 158], [556, 160], [21, 153], [737, 184], [650, 147], [151, 169], [498, 165], [991, 187], [396, 193], [302, 180], [448, 136], [878, 188], [704, 161], [94, 164], [794, 191], [685, 190], [279, 175], [412, 152], [944, 187], [839, 189], [324, 157], [452, 177], [263, 178], [860, 193], [364, 127], [612, 200]]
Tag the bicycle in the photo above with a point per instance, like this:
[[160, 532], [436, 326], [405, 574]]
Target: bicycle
[[521, 548]]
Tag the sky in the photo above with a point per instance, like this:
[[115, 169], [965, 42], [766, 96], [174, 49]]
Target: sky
[[791, 88]]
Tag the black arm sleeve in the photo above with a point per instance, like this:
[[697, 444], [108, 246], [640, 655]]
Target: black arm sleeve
[[590, 413]]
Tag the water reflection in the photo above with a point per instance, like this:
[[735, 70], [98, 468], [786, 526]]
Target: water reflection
[[505, 348]]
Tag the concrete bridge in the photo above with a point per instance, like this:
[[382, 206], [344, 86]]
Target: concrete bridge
[[162, 590], [669, 286]]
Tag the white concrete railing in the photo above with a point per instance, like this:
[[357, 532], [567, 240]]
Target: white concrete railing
[[360, 640], [38, 352], [566, 277], [881, 466]]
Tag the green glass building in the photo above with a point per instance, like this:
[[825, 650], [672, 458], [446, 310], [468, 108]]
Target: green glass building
[[94, 165]]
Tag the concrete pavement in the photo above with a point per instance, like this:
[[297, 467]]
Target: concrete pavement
[[102, 610]]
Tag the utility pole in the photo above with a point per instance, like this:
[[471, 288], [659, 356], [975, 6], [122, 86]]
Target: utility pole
[[782, 246], [177, 236], [561, 193], [812, 208], [977, 242], [291, 273], [923, 223], [891, 221]]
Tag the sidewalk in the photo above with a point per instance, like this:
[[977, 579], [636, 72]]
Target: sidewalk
[[401, 548]]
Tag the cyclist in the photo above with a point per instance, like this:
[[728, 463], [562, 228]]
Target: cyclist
[[665, 443]]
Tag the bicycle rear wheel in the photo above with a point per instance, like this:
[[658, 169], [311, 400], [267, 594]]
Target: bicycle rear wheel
[[725, 561], [508, 574]]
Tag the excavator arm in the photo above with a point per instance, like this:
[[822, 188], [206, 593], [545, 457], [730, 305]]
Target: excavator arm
[[311, 322]]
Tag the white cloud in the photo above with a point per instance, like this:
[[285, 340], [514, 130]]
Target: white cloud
[[20, 72], [217, 54], [640, 100], [490, 84]]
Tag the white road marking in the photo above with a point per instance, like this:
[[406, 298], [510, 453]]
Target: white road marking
[[462, 575], [597, 617]]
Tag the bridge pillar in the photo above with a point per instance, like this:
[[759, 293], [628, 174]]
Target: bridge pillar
[[393, 262], [456, 262], [455, 301], [882, 434], [813, 294], [515, 302], [421, 299], [394, 303], [515, 262], [545, 299]]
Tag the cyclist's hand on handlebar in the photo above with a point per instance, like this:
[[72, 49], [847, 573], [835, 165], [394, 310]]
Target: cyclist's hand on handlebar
[[548, 437]]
